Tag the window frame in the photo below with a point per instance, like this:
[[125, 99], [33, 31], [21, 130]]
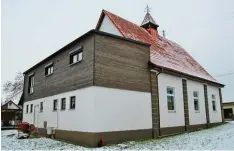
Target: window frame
[[72, 108], [63, 106], [77, 53], [213, 100], [31, 83], [55, 107], [31, 108], [49, 69], [172, 95], [41, 106], [198, 102]]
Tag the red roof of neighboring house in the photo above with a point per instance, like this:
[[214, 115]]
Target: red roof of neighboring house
[[164, 53]]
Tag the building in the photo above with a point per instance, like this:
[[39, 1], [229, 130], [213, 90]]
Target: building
[[120, 82], [228, 109], [11, 115]]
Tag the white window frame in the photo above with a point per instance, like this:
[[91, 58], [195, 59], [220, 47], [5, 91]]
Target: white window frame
[[213, 100], [49, 69], [173, 95], [198, 102], [76, 55]]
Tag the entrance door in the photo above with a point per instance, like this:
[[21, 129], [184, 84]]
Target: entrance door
[[228, 113], [36, 114]]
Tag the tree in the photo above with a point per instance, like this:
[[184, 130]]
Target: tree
[[13, 89]]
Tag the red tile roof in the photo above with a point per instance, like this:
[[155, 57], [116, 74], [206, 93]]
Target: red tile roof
[[164, 53]]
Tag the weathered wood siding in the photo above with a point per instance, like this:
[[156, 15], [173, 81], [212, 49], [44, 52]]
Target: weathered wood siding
[[65, 77], [121, 64]]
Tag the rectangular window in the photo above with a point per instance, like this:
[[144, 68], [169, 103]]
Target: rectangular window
[[196, 100], [213, 102], [170, 98], [49, 69], [76, 56], [63, 103], [55, 106], [30, 84], [41, 107], [73, 102], [26, 108], [31, 109]]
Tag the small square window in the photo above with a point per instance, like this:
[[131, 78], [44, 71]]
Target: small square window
[[76, 56], [73, 102], [63, 103], [41, 106], [55, 105], [49, 69]]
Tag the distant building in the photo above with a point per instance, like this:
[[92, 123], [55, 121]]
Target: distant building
[[120, 82], [11, 114], [228, 109]]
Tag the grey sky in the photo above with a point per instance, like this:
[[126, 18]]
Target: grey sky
[[32, 30]]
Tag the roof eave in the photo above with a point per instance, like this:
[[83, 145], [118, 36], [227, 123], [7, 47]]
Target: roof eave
[[185, 74]]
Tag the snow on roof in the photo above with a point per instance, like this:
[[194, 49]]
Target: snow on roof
[[164, 53]]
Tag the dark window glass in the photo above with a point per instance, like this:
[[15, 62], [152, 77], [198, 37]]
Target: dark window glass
[[196, 105], [30, 84], [170, 103], [31, 109], [41, 107], [55, 105], [63, 104], [73, 102]]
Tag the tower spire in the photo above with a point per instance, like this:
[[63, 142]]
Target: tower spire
[[149, 24]]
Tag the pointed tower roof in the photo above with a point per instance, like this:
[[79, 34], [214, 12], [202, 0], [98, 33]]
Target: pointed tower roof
[[148, 20]]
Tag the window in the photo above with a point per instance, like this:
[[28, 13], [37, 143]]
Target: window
[[76, 56], [41, 107], [72, 102], [49, 69], [26, 108], [31, 109], [55, 105], [213, 102], [170, 98], [10, 103], [63, 104], [30, 84], [196, 100]]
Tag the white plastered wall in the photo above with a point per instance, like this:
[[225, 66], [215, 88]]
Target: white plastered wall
[[170, 118], [196, 117], [97, 109]]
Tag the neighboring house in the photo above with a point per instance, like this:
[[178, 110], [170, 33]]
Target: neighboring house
[[228, 109], [120, 82], [11, 114]]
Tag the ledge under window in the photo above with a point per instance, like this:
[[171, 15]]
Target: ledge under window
[[49, 74], [75, 63], [171, 111]]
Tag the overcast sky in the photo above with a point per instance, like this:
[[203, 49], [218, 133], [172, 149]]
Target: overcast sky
[[32, 30]]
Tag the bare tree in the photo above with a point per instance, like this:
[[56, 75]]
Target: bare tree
[[13, 89]]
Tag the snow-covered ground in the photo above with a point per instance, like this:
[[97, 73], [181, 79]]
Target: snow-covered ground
[[221, 137]]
